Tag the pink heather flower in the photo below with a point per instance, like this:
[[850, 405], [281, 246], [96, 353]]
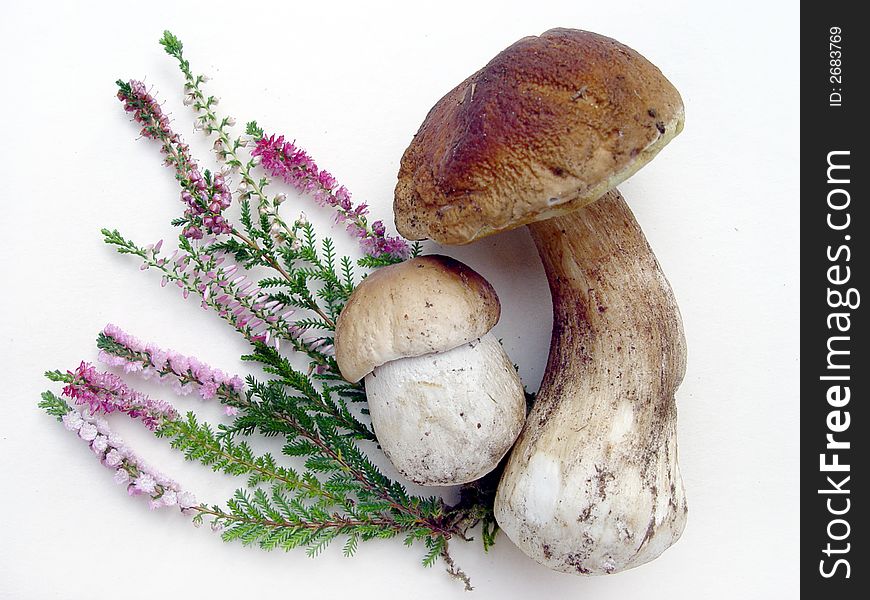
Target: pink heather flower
[[205, 200], [231, 411], [208, 390], [106, 393], [284, 160], [132, 367], [185, 374]]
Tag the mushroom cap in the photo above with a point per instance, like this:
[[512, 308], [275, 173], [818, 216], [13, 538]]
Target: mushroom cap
[[427, 304], [548, 126]]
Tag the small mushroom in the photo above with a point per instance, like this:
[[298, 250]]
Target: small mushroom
[[535, 137], [445, 400]]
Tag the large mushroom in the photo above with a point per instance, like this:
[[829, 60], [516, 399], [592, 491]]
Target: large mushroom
[[445, 400], [541, 136]]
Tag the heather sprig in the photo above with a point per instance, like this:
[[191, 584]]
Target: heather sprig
[[338, 492], [114, 454], [227, 146], [203, 271], [284, 160], [185, 373], [206, 196], [106, 392]]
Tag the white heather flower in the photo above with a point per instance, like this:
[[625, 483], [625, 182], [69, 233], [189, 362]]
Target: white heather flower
[[302, 220], [296, 245], [100, 444], [144, 483], [256, 160], [72, 420], [204, 78], [275, 229], [163, 480], [88, 431], [218, 146], [102, 426], [182, 389], [280, 198], [113, 458], [186, 500], [230, 121], [189, 99]]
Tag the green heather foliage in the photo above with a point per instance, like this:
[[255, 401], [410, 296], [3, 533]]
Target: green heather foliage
[[324, 487]]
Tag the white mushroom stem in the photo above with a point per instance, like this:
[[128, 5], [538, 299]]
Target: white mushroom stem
[[447, 418], [592, 485]]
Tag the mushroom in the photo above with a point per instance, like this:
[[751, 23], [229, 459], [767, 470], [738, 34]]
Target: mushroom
[[540, 136], [445, 400]]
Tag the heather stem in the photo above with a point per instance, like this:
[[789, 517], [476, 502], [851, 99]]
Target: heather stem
[[311, 304], [244, 169]]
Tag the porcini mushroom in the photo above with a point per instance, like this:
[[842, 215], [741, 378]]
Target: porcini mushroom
[[445, 400], [549, 126]]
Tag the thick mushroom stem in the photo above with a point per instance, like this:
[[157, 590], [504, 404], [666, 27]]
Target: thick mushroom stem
[[592, 485]]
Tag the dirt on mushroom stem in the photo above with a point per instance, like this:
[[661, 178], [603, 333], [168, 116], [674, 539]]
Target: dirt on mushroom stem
[[592, 485]]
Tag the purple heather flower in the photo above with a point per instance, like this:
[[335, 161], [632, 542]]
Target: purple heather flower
[[205, 201], [106, 393], [284, 160]]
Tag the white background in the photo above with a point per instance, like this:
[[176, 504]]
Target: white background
[[352, 84]]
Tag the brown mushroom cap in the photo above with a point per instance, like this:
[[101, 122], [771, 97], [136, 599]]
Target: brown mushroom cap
[[426, 304], [548, 126]]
